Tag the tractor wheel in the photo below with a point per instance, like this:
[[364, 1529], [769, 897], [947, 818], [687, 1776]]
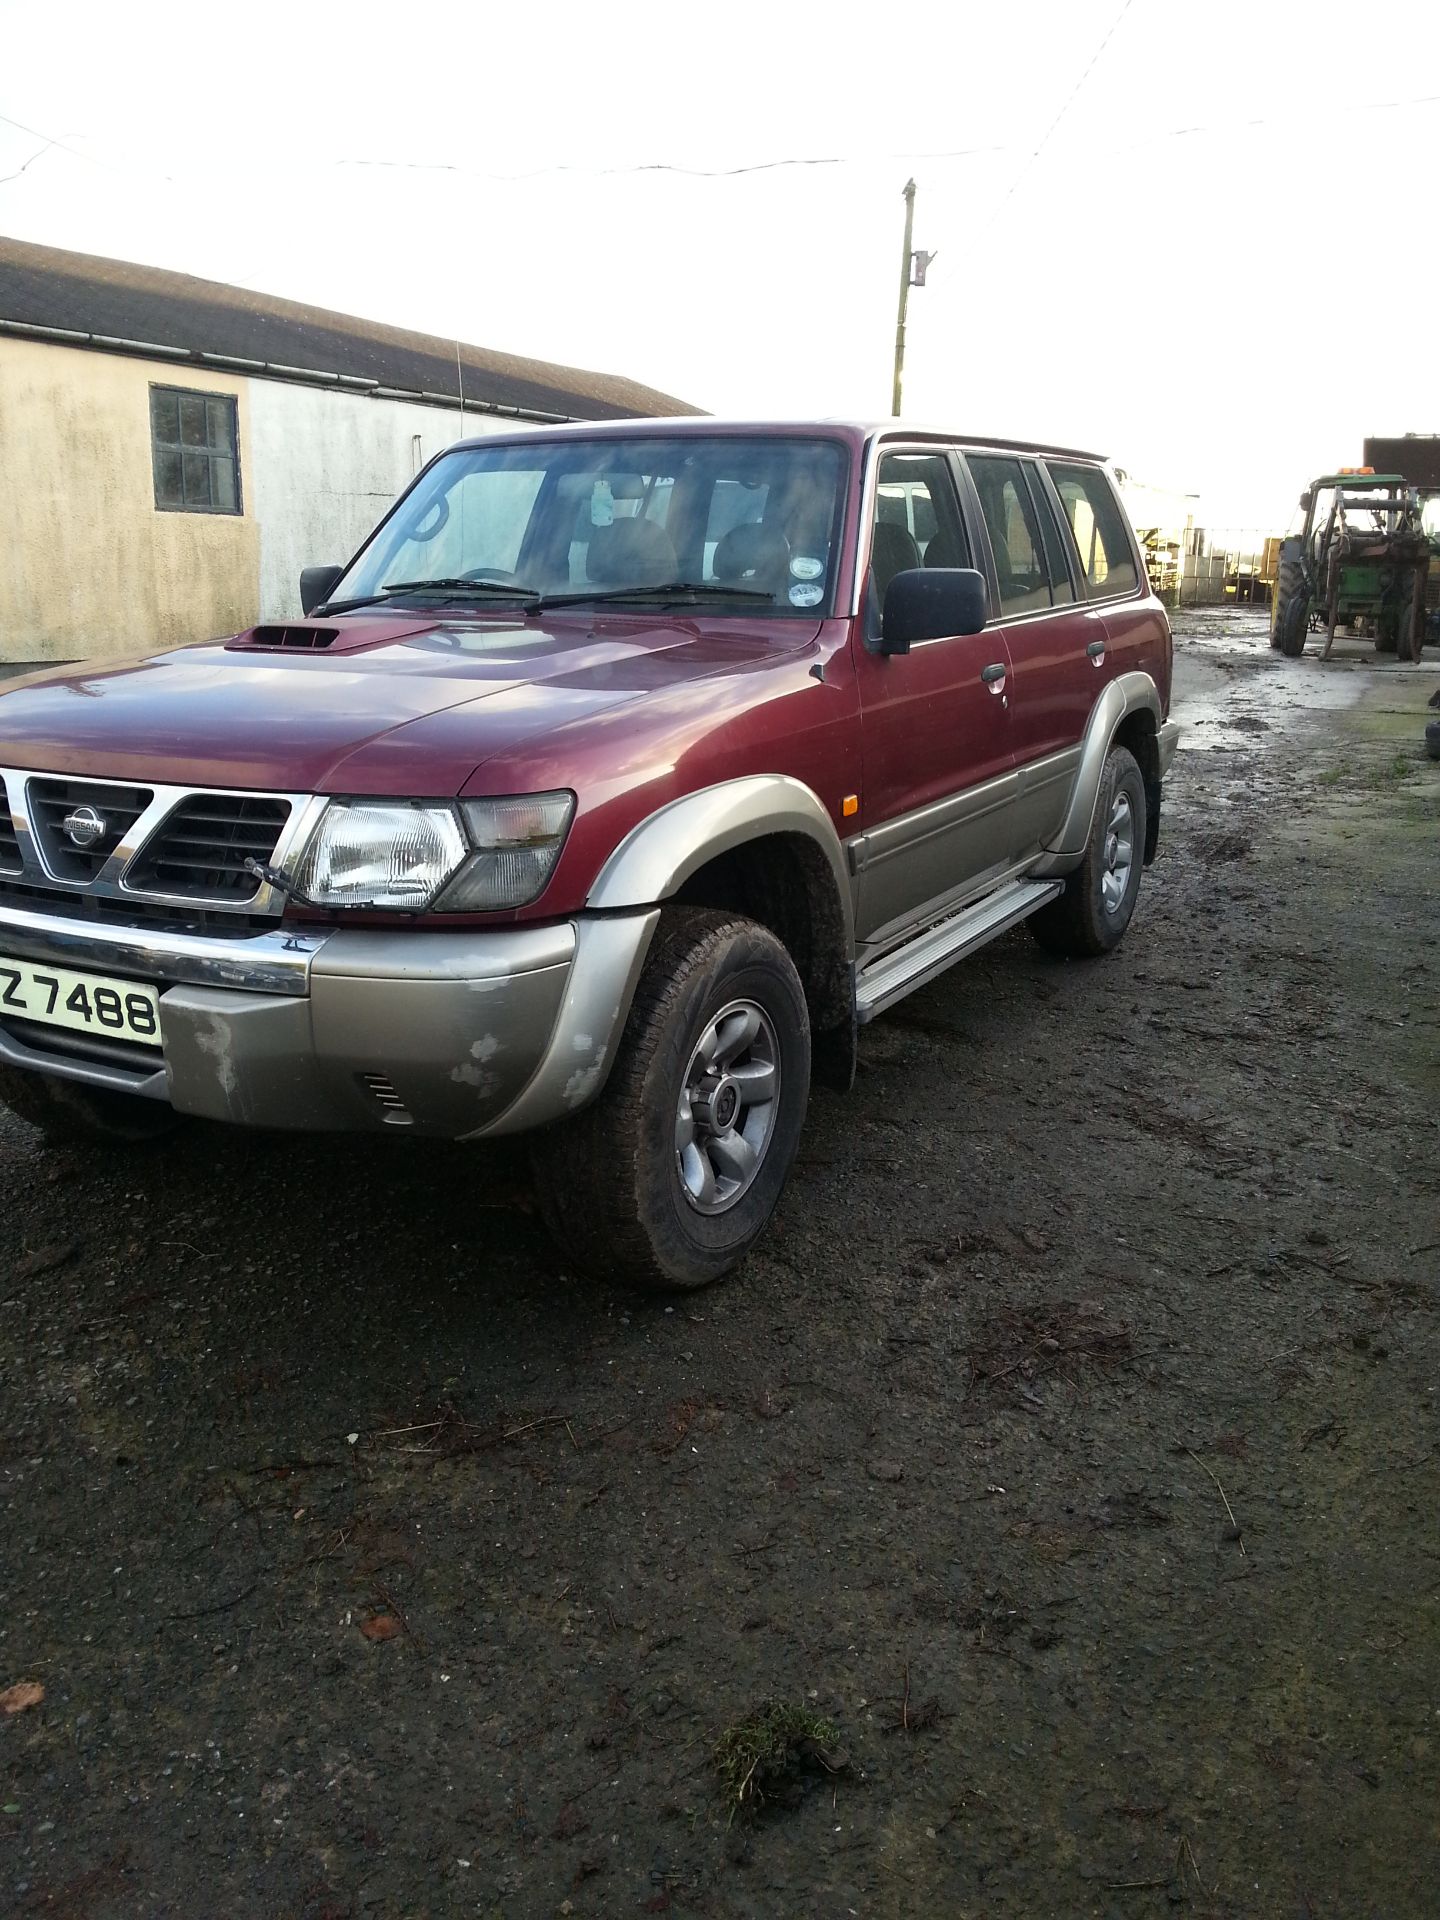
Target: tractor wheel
[[1289, 609], [1387, 631], [1411, 638]]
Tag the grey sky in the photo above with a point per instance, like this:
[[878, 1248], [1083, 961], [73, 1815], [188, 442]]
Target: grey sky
[[1206, 271]]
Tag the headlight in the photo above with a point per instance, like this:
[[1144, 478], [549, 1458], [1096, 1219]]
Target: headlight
[[517, 841], [377, 853]]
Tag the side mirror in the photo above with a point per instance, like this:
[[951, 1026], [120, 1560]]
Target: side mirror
[[1307, 500], [932, 603], [316, 585]]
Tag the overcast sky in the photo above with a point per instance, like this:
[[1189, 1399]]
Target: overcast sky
[[1204, 245]]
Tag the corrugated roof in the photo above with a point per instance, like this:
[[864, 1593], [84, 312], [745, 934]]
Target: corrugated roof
[[119, 306]]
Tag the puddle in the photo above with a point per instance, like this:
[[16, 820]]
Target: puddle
[[1232, 690]]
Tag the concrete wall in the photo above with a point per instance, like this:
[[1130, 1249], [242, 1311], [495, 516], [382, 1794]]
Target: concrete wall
[[89, 565], [325, 466]]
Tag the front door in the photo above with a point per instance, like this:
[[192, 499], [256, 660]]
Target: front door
[[938, 771]]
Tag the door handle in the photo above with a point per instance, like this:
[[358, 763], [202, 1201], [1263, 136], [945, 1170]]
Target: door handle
[[1096, 649], [996, 671]]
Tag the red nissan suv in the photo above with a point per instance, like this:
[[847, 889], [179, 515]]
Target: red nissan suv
[[623, 774]]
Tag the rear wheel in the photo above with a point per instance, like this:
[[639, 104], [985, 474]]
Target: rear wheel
[[1091, 915], [1290, 609], [1410, 639], [672, 1174], [66, 1111]]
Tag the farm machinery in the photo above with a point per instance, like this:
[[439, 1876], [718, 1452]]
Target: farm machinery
[[1361, 560]]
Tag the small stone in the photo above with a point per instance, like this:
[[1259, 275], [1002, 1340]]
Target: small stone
[[889, 1470]]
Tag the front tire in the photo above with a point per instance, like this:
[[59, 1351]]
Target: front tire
[[67, 1111], [1289, 610], [1091, 915], [668, 1178]]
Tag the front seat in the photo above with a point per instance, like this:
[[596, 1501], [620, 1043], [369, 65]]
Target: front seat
[[892, 550], [754, 556], [630, 553]]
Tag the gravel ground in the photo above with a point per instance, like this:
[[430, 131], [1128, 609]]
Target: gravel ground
[[1070, 1446]]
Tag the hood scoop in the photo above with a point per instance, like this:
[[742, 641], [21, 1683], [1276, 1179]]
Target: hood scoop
[[294, 638]]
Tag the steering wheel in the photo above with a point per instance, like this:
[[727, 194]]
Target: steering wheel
[[489, 573]]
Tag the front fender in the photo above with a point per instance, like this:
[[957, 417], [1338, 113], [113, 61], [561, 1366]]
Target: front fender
[[658, 856], [1128, 693]]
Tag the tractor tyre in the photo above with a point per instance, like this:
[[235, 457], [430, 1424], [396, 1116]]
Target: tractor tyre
[[1289, 610], [1410, 640], [1387, 630]]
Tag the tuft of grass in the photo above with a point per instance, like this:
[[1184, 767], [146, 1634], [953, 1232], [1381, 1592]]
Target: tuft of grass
[[1389, 772], [769, 1752]]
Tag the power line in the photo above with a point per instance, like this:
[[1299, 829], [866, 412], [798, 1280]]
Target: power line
[[39, 154], [1070, 100], [51, 140], [667, 166]]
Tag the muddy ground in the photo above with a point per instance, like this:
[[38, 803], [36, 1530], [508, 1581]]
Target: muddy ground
[[1071, 1445]]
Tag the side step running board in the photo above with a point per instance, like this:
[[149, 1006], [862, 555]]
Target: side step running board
[[902, 969]]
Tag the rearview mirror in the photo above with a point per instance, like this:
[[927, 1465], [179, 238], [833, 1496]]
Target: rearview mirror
[[316, 586], [1306, 499], [932, 603]]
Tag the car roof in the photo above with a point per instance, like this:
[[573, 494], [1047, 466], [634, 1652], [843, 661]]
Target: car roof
[[859, 432]]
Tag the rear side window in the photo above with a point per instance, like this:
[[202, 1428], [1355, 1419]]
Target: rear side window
[[1098, 524], [1016, 538]]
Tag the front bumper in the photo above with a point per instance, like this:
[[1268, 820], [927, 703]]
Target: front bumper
[[453, 1034]]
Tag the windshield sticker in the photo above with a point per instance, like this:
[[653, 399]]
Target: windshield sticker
[[602, 505], [806, 567], [806, 596]]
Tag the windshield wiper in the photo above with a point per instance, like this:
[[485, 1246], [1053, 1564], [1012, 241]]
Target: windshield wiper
[[516, 589], [668, 591], [452, 589]]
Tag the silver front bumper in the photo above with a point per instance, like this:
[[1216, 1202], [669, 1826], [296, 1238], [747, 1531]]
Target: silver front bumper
[[446, 1033]]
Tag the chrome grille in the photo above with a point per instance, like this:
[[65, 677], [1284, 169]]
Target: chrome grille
[[199, 851], [10, 856], [132, 910], [162, 853], [52, 802]]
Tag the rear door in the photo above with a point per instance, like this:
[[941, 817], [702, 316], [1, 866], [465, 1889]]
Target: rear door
[[1112, 576], [1055, 640], [939, 781]]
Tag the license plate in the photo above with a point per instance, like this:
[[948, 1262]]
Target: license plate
[[119, 1009]]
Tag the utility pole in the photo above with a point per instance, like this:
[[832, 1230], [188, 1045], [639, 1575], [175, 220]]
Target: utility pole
[[905, 265]]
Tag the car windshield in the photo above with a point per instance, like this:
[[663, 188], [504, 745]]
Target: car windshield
[[749, 524]]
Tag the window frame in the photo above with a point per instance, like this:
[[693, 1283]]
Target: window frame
[[1086, 592], [945, 451], [211, 452], [1005, 615]]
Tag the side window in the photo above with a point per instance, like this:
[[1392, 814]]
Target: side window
[[1098, 524], [1016, 538], [917, 518]]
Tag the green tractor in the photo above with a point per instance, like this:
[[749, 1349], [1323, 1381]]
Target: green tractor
[[1360, 560]]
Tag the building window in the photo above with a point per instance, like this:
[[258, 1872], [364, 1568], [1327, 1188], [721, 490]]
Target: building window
[[195, 451]]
